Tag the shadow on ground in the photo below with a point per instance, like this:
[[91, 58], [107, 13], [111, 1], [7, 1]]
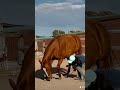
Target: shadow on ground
[[40, 73]]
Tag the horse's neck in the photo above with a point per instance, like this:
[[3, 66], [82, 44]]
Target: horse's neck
[[47, 57], [48, 52]]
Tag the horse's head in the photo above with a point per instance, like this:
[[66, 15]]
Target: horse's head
[[46, 67]]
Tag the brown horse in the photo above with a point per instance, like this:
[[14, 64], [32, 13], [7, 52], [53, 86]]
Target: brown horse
[[26, 78], [97, 45], [59, 48]]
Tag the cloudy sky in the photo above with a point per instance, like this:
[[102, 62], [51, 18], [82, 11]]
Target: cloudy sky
[[59, 14], [17, 12], [99, 5], [52, 14]]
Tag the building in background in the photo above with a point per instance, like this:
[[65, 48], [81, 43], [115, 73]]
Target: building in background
[[9, 34]]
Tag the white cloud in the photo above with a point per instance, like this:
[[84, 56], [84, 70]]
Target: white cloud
[[60, 15], [56, 6], [74, 1], [48, 6]]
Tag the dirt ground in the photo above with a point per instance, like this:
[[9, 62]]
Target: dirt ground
[[56, 84], [40, 84], [5, 75], [4, 83]]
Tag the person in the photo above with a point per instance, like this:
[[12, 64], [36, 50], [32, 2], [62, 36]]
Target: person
[[79, 61], [71, 60], [77, 65]]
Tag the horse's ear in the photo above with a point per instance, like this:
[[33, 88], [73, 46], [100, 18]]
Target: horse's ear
[[12, 83]]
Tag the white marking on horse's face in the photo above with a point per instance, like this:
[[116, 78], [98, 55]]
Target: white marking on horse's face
[[45, 71]]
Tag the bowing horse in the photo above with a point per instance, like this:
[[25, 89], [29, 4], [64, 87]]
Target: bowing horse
[[60, 48]]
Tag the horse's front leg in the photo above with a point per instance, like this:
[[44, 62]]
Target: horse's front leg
[[49, 74], [51, 68], [58, 67]]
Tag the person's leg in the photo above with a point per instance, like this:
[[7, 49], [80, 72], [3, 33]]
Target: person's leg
[[79, 75], [69, 67], [79, 69]]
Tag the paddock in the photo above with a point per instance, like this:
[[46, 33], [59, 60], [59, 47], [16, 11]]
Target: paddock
[[55, 84]]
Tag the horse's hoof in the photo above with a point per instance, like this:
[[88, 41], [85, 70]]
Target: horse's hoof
[[60, 78], [66, 76], [48, 79]]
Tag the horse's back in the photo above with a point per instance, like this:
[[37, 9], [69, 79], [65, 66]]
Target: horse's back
[[68, 44]]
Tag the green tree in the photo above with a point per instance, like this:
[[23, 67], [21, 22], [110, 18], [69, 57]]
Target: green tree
[[57, 32], [72, 31], [76, 31]]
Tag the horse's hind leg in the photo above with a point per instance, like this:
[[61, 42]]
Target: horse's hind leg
[[58, 67]]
